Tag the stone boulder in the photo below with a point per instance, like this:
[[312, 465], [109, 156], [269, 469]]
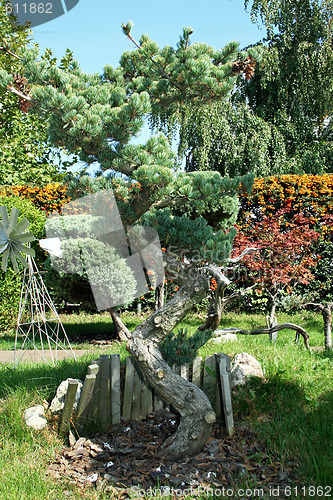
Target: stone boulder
[[58, 401], [243, 366], [35, 417]]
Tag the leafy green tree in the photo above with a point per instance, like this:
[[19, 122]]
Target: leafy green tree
[[292, 86], [233, 140], [97, 115], [26, 155]]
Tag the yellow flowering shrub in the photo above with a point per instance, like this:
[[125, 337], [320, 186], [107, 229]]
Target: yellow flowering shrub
[[49, 198], [312, 194]]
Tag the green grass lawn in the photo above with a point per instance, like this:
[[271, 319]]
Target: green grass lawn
[[292, 410]]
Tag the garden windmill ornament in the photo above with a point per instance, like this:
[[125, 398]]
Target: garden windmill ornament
[[12, 238], [38, 322]]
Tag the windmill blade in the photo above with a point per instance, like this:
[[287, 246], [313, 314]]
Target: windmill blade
[[13, 218], [3, 238], [25, 238], [5, 257], [12, 237], [20, 258], [27, 250], [3, 247], [22, 225], [4, 215], [13, 260], [3, 235]]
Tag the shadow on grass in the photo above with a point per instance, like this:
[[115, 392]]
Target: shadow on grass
[[41, 378], [297, 428]]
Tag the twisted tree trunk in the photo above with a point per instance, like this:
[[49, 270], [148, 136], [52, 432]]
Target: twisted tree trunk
[[217, 305], [121, 330], [196, 413], [214, 314], [326, 311]]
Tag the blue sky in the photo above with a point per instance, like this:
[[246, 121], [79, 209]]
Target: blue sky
[[92, 30]]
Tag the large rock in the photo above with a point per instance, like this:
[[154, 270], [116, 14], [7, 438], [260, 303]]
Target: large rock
[[58, 401], [35, 417], [244, 366]]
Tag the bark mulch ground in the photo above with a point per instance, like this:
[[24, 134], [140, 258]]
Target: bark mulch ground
[[125, 462]]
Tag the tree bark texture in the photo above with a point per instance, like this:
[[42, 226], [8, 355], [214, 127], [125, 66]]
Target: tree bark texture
[[284, 326], [214, 315], [326, 311], [159, 296], [193, 406], [327, 316], [216, 307], [121, 330]]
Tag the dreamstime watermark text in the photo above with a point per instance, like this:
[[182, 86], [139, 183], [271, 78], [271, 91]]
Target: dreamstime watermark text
[[228, 492]]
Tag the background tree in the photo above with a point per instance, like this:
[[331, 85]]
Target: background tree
[[283, 258], [26, 155], [292, 85], [233, 140], [96, 116]]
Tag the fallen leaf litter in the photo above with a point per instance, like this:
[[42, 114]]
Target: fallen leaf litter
[[127, 457]]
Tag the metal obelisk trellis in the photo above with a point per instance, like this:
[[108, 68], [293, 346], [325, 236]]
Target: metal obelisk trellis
[[38, 322]]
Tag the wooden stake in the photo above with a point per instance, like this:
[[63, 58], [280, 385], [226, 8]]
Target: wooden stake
[[226, 396], [68, 406], [115, 388]]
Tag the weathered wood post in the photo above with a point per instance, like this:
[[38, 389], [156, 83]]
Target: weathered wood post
[[225, 384], [86, 397], [104, 401], [68, 406], [115, 388], [128, 388]]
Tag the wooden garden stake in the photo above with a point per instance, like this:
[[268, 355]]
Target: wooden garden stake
[[68, 406], [226, 396]]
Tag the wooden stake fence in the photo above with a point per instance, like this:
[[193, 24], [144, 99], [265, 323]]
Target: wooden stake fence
[[106, 397]]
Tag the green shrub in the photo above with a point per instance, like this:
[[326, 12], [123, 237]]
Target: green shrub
[[88, 260], [10, 282], [182, 347]]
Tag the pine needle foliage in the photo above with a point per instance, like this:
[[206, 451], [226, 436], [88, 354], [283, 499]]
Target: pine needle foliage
[[181, 347]]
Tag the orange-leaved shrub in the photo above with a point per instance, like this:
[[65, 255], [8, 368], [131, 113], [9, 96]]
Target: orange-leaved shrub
[[49, 198], [310, 194]]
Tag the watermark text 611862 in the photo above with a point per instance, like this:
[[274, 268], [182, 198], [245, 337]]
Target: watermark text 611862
[[38, 12]]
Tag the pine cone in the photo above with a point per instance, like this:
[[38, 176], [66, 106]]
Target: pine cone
[[247, 67], [21, 84]]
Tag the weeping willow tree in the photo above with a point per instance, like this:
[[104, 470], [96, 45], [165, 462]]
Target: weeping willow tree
[[95, 116], [232, 140], [293, 84]]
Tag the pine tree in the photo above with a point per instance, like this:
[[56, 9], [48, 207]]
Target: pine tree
[[95, 116]]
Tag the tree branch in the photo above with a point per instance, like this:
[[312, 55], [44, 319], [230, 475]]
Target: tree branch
[[239, 293], [6, 49], [159, 67], [313, 304], [261, 331], [248, 250], [20, 94]]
